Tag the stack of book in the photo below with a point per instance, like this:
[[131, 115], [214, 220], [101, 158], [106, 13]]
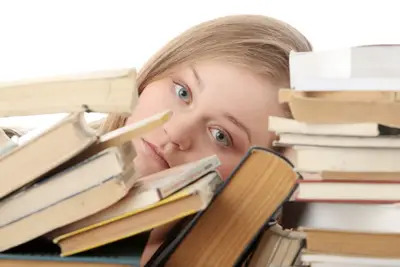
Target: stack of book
[[70, 196], [345, 142], [71, 185]]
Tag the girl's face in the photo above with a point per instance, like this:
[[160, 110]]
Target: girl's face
[[218, 108]]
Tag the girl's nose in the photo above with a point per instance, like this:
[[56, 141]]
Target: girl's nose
[[181, 129]]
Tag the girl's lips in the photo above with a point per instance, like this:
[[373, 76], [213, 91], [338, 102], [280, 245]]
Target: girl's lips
[[153, 151]]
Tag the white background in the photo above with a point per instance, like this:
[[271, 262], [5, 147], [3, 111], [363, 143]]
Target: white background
[[44, 38]]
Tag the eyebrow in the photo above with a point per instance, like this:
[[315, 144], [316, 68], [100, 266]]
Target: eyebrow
[[238, 124], [200, 83]]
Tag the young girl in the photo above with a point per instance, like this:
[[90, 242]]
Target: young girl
[[221, 80]]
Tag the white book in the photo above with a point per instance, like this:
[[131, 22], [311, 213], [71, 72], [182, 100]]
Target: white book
[[284, 125], [317, 159], [289, 139], [326, 260], [356, 68]]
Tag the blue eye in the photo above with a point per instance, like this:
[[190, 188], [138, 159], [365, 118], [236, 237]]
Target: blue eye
[[183, 93], [221, 137]]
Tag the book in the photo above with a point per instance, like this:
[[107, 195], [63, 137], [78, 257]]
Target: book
[[374, 67], [364, 129], [329, 260], [343, 175], [65, 212], [108, 91], [166, 182], [353, 243], [342, 216], [347, 190], [76, 136], [83, 176], [288, 139], [346, 159], [222, 234], [186, 202], [343, 106], [277, 247], [123, 253], [146, 191]]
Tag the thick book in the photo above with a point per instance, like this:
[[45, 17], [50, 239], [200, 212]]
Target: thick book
[[348, 190], [355, 243], [22, 165], [83, 176], [146, 191], [332, 260], [373, 67], [281, 125], [108, 91], [288, 139], [65, 212], [336, 107], [224, 233], [277, 247], [363, 217], [186, 202], [346, 159]]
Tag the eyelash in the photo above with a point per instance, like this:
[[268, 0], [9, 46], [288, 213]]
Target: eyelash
[[227, 135], [175, 87]]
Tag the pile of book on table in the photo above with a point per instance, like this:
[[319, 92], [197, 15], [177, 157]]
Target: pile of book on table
[[345, 142], [70, 196]]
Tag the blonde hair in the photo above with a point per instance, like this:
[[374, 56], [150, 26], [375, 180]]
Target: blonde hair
[[259, 43]]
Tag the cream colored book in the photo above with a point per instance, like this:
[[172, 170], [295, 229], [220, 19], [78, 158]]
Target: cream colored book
[[83, 176], [108, 91], [281, 125], [44, 152], [67, 211], [340, 107]]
